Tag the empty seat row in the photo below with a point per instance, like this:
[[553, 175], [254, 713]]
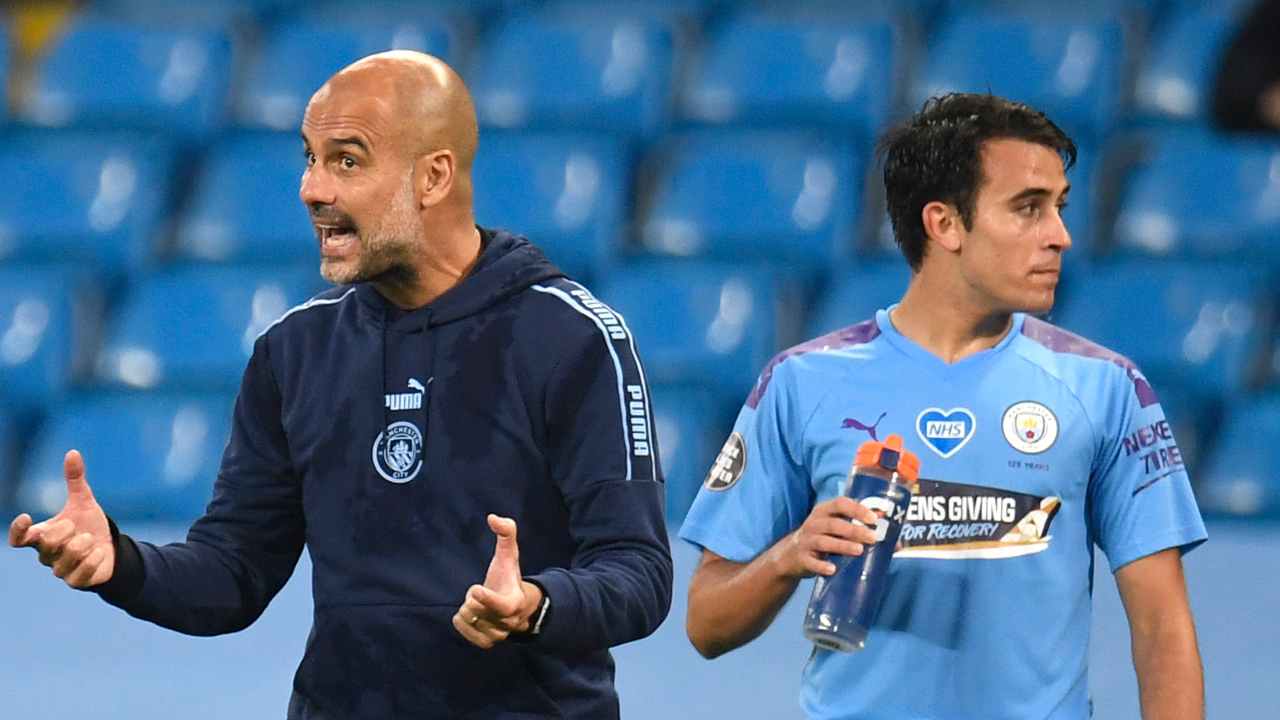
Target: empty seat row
[[1199, 195], [189, 328], [94, 197], [149, 456], [634, 68], [792, 198], [714, 323]]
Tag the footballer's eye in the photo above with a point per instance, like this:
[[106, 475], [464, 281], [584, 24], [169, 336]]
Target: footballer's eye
[[348, 162]]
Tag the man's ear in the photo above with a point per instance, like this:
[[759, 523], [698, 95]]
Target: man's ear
[[943, 225], [436, 172]]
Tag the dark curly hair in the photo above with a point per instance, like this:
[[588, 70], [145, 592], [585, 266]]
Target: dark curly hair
[[936, 155]]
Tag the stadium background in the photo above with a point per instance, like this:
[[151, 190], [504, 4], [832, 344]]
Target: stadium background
[[704, 165]]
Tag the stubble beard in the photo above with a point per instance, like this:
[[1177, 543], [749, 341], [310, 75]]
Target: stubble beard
[[386, 250]]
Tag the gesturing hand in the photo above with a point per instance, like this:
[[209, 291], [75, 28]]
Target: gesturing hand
[[505, 602], [76, 542], [827, 530]]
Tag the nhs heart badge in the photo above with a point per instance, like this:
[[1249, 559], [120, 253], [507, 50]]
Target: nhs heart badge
[[945, 431]]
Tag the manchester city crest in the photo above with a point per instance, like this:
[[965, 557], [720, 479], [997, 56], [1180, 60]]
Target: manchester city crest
[[1030, 427], [397, 452]]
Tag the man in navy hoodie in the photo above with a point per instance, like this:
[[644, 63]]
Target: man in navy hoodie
[[452, 386]]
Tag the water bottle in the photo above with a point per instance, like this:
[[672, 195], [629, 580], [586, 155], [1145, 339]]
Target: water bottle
[[843, 606]]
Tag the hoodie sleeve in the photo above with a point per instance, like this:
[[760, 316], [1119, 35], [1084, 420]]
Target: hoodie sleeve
[[603, 456], [240, 553]]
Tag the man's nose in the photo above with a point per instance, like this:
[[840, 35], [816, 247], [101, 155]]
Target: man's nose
[[1060, 236], [316, 188]]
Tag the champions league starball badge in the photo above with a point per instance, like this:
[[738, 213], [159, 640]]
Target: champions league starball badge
[[397, 452]]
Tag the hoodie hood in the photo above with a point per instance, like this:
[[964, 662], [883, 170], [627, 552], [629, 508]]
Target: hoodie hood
[[508, 263]]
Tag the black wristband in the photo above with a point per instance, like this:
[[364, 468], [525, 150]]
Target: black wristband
[[129, 573]]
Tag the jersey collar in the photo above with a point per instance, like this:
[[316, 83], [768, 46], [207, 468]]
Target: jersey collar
[[919, 354]]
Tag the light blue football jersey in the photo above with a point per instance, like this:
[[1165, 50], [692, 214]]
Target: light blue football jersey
[[1031, 453]]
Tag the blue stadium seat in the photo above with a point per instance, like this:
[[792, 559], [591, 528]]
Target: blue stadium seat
[[8, 461], [567, 192], [194, 327], [278, 86], [1143, 10], [245, 205], [93, 197], [1175, 79], [147, 456], [1240, 476], [708, 323], [1194, 323], [856, 293], [143, 9], [1069, 67], [680, 15], [48, 318], [755, 195], [166, 13], [480, 10], [901, 10], [458, 18], [596, 68], [1199, 195], [783, 69], [690, 428], [1272, 371], [106, 74]]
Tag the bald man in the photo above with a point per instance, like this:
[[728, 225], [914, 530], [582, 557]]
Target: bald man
[[459, 434]]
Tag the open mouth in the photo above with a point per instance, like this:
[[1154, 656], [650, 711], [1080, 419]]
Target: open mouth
[[336, 239]]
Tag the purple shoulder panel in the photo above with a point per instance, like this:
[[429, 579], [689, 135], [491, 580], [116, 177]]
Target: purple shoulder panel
[[859, 334], [1061, 341]]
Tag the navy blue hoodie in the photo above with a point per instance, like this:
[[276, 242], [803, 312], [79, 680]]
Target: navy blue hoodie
[[381, 439]]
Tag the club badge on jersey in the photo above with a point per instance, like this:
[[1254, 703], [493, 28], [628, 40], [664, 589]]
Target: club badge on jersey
[[1030, 427], [397, 451]]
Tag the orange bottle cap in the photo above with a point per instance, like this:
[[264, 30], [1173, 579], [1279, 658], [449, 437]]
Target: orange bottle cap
[[890, 456]]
